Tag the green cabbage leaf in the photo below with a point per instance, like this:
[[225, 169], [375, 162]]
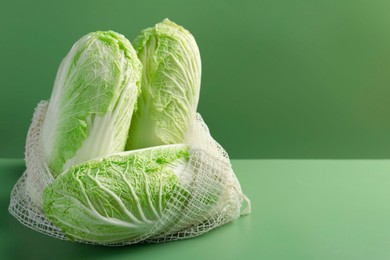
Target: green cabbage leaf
[[92, 102], [119, 197], [170, 86]]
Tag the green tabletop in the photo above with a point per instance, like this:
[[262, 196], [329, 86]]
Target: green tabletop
[[301, 209]]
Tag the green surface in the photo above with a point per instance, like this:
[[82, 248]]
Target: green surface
[[281, 78], [301, 209]]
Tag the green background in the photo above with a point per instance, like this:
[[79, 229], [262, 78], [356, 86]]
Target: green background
[[281, 78]]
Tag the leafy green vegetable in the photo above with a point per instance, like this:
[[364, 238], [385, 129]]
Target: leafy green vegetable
[[92, 102], [119, 197], [170, 86]]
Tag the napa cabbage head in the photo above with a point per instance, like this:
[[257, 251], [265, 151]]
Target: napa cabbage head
[[170, 86], [92, 101], [120, 197]]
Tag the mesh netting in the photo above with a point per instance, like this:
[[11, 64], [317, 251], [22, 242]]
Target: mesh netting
[[209, 173]]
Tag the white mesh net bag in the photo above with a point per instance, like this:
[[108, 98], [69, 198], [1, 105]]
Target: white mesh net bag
[[209, 174]]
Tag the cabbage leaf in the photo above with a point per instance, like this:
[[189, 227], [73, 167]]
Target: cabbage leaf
[[119, 197], [92, 102], [170, 86]]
